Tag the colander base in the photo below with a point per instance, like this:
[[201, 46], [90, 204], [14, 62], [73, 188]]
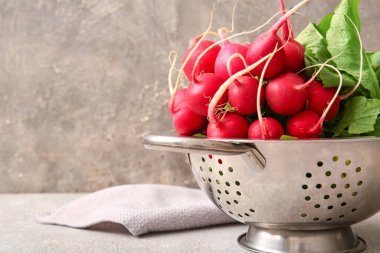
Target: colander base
[[339, 240]]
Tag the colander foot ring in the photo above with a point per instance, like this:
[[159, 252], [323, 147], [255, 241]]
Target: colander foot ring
[[338, 240]]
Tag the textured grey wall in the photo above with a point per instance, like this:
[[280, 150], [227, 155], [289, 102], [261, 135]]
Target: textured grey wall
[[82, 81]]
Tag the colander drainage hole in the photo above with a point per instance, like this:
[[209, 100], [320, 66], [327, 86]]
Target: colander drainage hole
[[201, 168], [319, 164], [220, 161], [203, 159], [307, 198], [360, 183], [238, 193], [348, 162], [210, 156], [328, 173], [246, 214], [319, 186], [230, 212], [220, 206], [309, 175], [220, 172], [228, 202], [219, 191], [210, 169], [326, 196], [343, 204], [341, 216], [218, 198], [317, 206], [227, 192], [209, 179], [339, 195], [305, 187], [227, 183], [203, 179], [343, 175], [251, 210], [329, 219], [237, 183], [330, 207], [358, 169], [230, 169], [335, 158], [316, 219], [354, 194], [217, 181], [303, 215], [347, 186], [354, 210], [333, 186], [240, 215], [236, 202]]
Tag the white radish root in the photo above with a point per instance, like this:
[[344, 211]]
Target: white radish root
[[258, 106]]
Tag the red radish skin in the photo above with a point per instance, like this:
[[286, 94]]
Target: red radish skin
[[200, 93], [232, 125], [206, 64], [294, 56], [236, 64], [319, 98], [273, 128], [242, 95], [284, 97], [185, 121], [263, 45], [304, 125]]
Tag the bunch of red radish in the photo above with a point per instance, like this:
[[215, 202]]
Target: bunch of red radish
[[234, 74]]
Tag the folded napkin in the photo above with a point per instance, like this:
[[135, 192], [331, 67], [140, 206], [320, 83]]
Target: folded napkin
[[140, 209]]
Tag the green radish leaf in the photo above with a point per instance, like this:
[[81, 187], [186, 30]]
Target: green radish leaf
[[359, 117], [325, 23], [377, 128], [199, 135], [288, 138], [375, 60], [313, 41], [342, 39], [328, 76]]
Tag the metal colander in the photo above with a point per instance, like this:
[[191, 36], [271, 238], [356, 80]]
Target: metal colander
[[297, 196]]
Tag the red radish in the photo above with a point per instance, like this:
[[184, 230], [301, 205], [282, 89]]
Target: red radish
[[304, 125], [242, 95], [206, 64], [286, 95], [273, 129], [294, 51], [200, 92], [185, 121], [231, 125], [319, 98], [225, 53], [263, 45]]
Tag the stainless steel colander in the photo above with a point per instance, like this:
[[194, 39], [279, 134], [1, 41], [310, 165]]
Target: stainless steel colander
[[297, 196]]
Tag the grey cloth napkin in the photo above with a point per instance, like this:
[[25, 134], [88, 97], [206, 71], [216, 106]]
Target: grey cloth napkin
[[140, 209]]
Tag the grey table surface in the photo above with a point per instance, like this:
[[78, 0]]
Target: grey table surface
[[20, 233]]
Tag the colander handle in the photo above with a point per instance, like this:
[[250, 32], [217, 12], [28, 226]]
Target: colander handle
[[192, 145]]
